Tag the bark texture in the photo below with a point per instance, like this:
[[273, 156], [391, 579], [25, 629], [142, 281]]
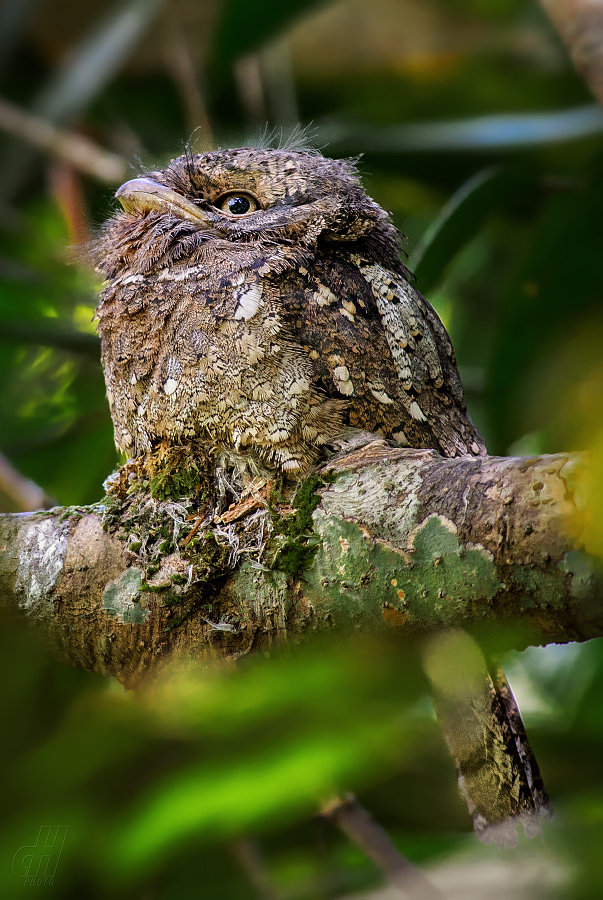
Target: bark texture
[[401, 540]]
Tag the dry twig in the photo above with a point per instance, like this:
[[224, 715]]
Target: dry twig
[[357, 823]]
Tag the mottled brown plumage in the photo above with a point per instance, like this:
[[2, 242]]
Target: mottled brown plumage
[[269, 329], [256, 299]]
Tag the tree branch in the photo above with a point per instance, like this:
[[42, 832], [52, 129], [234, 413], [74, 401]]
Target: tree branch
[[405, 540]]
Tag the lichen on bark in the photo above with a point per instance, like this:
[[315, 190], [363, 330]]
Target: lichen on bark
[[386, 538]]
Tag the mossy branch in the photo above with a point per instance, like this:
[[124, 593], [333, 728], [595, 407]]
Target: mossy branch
[[380, 538]]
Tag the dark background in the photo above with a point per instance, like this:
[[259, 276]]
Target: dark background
[[487, 148]]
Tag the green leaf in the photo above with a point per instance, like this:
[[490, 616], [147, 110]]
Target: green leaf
[[459, 221], [547, 347], [275, 741], [245, 27]]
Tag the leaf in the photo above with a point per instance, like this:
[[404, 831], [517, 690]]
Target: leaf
[[545, 364], [459, 221], [95, 60], [475, 135], [245, 27], [275, 741]]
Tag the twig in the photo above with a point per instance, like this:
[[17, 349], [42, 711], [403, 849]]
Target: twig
[[250, 87], [75, 341], [23, 493], [248, 854], [74, 148], [580, 26], [280, 83], [357, 823], [201, 519], [188, 80], [242, 508], [67, 189]]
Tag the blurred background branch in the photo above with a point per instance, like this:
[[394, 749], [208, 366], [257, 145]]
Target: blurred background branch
[[73, 148], [19, 494], [83, 73], [357, 823]]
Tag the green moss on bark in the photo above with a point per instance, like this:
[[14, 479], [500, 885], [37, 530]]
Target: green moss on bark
[[294, 541]]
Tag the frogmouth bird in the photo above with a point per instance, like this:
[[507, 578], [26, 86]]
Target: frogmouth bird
[[257, 298]]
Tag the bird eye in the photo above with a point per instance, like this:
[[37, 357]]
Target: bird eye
[[237, 204]]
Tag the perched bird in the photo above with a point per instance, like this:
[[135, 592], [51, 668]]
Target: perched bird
[[257, 298]]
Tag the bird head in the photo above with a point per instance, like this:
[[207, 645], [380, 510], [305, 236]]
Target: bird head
[[245, 196]]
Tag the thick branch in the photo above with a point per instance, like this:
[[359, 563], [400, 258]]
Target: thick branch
[[408, 541]]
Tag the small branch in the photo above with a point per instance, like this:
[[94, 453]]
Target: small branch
[[580, 26], [280, 83], [250, 87], [73, 148], [66, 186], [22, 493], [188, 78], [248, 854], [46, 336], [357, 823]]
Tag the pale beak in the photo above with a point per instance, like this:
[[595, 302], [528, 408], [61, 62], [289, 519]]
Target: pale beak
[[143, 195]]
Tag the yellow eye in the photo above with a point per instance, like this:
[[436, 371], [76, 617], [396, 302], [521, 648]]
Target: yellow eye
[[237, 204]]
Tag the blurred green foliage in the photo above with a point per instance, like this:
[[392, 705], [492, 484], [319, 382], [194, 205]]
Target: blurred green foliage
[[157, 790], [200, 758], [504, 236], [53, 406]]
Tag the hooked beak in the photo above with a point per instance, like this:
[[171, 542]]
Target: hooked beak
[[143, 195]]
